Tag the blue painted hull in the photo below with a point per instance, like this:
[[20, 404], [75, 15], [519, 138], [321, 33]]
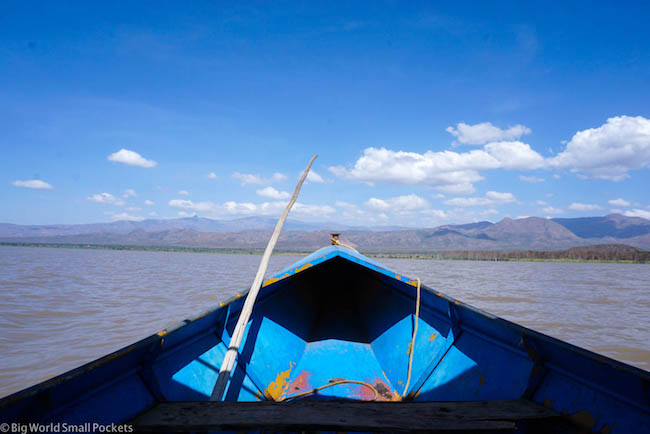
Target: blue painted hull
[[339, 315]]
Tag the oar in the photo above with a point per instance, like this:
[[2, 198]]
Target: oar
[[244, 316]]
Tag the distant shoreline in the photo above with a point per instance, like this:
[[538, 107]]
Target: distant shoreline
[[493, 256]]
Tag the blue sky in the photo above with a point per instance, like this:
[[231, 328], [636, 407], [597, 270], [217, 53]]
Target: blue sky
[[422, 113]]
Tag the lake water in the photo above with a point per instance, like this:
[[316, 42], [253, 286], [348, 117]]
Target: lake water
[[60, 308]]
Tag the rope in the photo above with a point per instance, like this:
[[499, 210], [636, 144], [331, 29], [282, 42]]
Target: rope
[[337, 242], [415, 332], [330, 384]]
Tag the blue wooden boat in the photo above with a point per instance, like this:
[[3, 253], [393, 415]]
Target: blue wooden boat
[[339, 319]]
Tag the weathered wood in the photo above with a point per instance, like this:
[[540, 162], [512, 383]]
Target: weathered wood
[[238, 333], [483, 416]]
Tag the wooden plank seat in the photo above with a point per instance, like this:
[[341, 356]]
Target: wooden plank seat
[[483, 416]]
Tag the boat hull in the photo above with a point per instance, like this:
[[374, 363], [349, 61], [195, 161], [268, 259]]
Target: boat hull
[[337, 315]]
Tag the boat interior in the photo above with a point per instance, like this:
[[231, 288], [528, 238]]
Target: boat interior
[[341, 320]]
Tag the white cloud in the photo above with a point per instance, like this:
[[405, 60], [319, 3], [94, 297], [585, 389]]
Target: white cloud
[[277, 176], [438, 196], [515, 155], [106, 198], [129, 192], [541, 202], [485, 132], [130, 158], [448, 171], [618, 202], [186, 214], [134, 208], [249, 208], [531, 179], [184, 192], [556, 176], [247, 178], [577, 206], [638, 213], [609, 151], [491, 198], [35, 184], [272, 193], [408, 202], [551, 210], [312, 176], [211, 175], [153, 213], [149, 202], [125, 216]]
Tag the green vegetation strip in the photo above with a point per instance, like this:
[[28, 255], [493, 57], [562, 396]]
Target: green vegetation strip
[[594, 254]]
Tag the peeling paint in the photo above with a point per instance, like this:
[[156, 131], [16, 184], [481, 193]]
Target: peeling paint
[[408, 350], [303, 268], [279, 386], [432, 337], [301, 383]]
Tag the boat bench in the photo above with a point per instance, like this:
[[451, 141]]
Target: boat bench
[[346, 415]]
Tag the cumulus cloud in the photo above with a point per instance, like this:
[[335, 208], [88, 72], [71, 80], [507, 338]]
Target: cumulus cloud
[[609, 151], [35, 184], [551, 210], [248, 178], [541, 202], [480, 134], [130, 158], [577, 206], [125, 216], [106, 198], [619, 202], [448, 171], [272, 193], [184, 192], [531, 179], [490, 198], [638, 213], [211, 175], [409, 202], [312, 176], [129, 192], [149, 202], [248, 208]]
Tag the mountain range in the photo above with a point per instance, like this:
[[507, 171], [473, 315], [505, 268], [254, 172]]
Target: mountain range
[[532, 233]]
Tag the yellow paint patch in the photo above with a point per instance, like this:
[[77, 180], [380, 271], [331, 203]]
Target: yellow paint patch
[[413, 283], [277, 388], [270, 281], [222, 304], [439, 294], [408, 350], [303, 268], [398, 277], [162, 333], [239, 295], [457, 302], [432, 337]]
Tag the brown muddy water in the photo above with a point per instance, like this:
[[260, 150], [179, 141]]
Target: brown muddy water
[[60, 308]]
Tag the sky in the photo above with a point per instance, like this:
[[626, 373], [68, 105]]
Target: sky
[[422, 113]]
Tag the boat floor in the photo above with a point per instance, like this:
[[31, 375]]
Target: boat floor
[[347, 415]]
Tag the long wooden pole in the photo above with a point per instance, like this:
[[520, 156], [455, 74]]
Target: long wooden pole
[[244, 316]]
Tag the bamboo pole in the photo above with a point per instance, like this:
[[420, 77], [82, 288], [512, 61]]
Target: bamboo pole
[[247, 309]]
